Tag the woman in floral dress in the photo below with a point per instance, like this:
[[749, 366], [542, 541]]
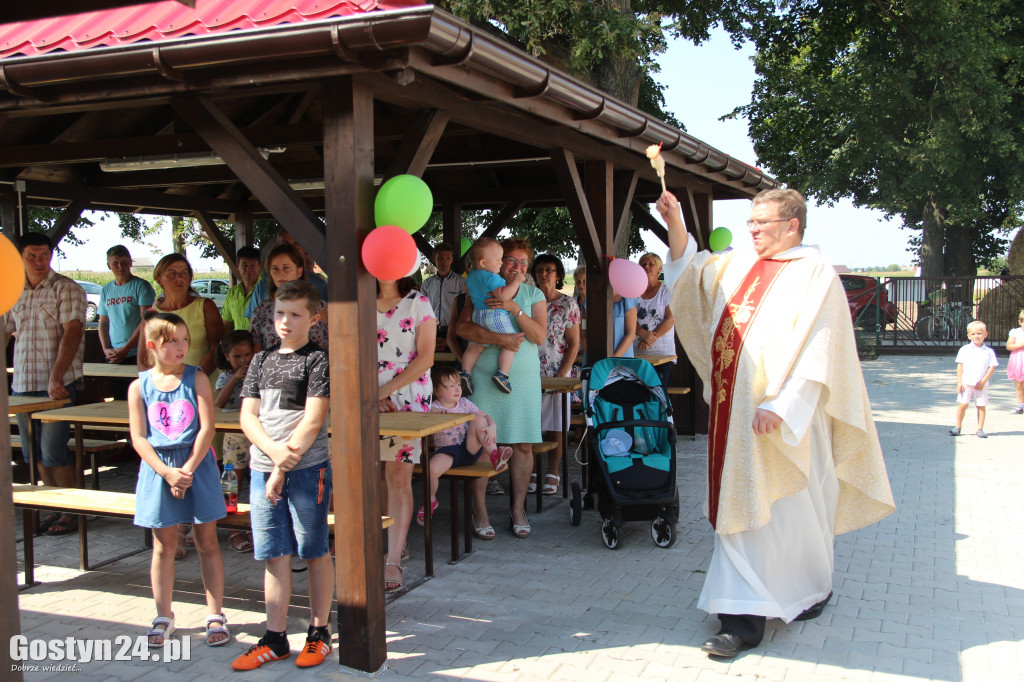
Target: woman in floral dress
[[557, 355], [406, 334]]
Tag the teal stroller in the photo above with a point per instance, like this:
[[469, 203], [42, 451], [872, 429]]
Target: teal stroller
[[630, 462]]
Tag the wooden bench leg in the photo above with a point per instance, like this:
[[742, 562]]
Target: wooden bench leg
[[29, 526], [83, 544], [453, 503], [467, 499]]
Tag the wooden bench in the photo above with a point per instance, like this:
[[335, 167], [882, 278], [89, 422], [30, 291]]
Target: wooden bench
[[466, 475], [104, 503], [91, 447]]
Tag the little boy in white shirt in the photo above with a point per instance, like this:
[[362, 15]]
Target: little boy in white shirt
[[975, 364]]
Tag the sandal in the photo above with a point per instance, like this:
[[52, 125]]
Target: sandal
[[500, 457], [221, 629], [483, 532], [62, 526], [532, 488], [241, 541], [551, 488], [47, 521], [395, 585], [163, 633], [520, 530], [421, 515]]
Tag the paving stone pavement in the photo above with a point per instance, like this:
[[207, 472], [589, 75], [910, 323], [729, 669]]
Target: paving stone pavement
[[935, 591]]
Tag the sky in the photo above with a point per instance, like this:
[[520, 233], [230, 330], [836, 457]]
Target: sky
[[704, 83]]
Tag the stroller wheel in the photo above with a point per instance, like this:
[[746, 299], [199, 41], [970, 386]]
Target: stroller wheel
[[575, 504], [610, 534], [663, 533]]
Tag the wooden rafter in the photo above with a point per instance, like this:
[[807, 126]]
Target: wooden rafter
[[419, 144], [209, 227], [502, 218], [564, 163], [650, 222], [64, 221], [253, 170], [622, 199]]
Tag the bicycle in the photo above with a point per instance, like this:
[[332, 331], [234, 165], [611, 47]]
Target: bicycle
[[948, 323]]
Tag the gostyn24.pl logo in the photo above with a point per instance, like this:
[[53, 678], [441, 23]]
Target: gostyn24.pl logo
[[64, 655]]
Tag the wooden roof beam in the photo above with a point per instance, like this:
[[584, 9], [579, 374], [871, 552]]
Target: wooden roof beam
[[576, 201], [253, 170], [128, 200]]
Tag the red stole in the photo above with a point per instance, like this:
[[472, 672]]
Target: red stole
[[732, 330]]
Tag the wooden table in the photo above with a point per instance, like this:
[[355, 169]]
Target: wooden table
[[109, 371], [402, 424], [657, 359], [24, 404]]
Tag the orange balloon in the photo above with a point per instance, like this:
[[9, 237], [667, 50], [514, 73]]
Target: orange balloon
[[12, 275]]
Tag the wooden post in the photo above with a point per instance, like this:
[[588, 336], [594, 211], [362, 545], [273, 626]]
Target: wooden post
[[348, 188], [10, 625]]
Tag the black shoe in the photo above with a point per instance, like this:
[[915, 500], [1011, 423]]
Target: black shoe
[[725, 644], [815, 610]]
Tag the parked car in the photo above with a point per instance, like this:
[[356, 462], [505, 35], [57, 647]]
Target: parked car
[[92, 299], [216, 289], [865, 294]]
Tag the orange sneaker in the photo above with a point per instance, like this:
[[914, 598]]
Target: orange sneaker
[[314, 653], [258, 654]]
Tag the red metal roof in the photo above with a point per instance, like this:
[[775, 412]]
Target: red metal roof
[[170, 19]]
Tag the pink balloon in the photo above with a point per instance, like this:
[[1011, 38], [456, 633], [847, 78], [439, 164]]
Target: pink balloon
[[627, 278], [389, 253]]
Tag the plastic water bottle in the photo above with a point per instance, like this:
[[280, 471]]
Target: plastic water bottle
[[639, 442], [229, 485]]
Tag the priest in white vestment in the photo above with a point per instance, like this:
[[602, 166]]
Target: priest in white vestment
[[793, 453]]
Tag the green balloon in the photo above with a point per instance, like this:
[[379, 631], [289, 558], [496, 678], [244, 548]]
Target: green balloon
[[466, 244], [720, 239], [405, 201]]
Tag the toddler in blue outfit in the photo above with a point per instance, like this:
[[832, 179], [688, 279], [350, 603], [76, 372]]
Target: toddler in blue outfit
[[484, 282]]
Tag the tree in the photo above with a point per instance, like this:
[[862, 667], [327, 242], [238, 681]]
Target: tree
[[611, 44], [908, 106]]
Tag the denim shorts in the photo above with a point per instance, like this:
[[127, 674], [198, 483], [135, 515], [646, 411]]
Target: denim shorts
[[460, 454], [298, 524], [51, 438]]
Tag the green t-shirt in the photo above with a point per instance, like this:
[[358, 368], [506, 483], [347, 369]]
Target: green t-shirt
[[235, 304]]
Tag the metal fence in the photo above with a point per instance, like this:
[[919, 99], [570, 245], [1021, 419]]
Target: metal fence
[[932, 313]]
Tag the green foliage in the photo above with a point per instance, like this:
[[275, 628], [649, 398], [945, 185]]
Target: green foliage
[[908, 106]]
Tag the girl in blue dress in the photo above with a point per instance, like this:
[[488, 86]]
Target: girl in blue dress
[[170, 411]]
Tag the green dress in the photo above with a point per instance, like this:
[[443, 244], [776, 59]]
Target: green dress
[[516, 414]]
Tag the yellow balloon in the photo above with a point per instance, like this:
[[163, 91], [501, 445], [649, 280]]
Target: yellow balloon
[[12, 275]]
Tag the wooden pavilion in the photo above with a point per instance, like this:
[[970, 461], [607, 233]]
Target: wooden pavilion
[[297, 112]]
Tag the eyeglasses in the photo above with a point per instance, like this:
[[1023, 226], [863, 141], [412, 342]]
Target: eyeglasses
[[765, 223], [516, 261], [541, 271]]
